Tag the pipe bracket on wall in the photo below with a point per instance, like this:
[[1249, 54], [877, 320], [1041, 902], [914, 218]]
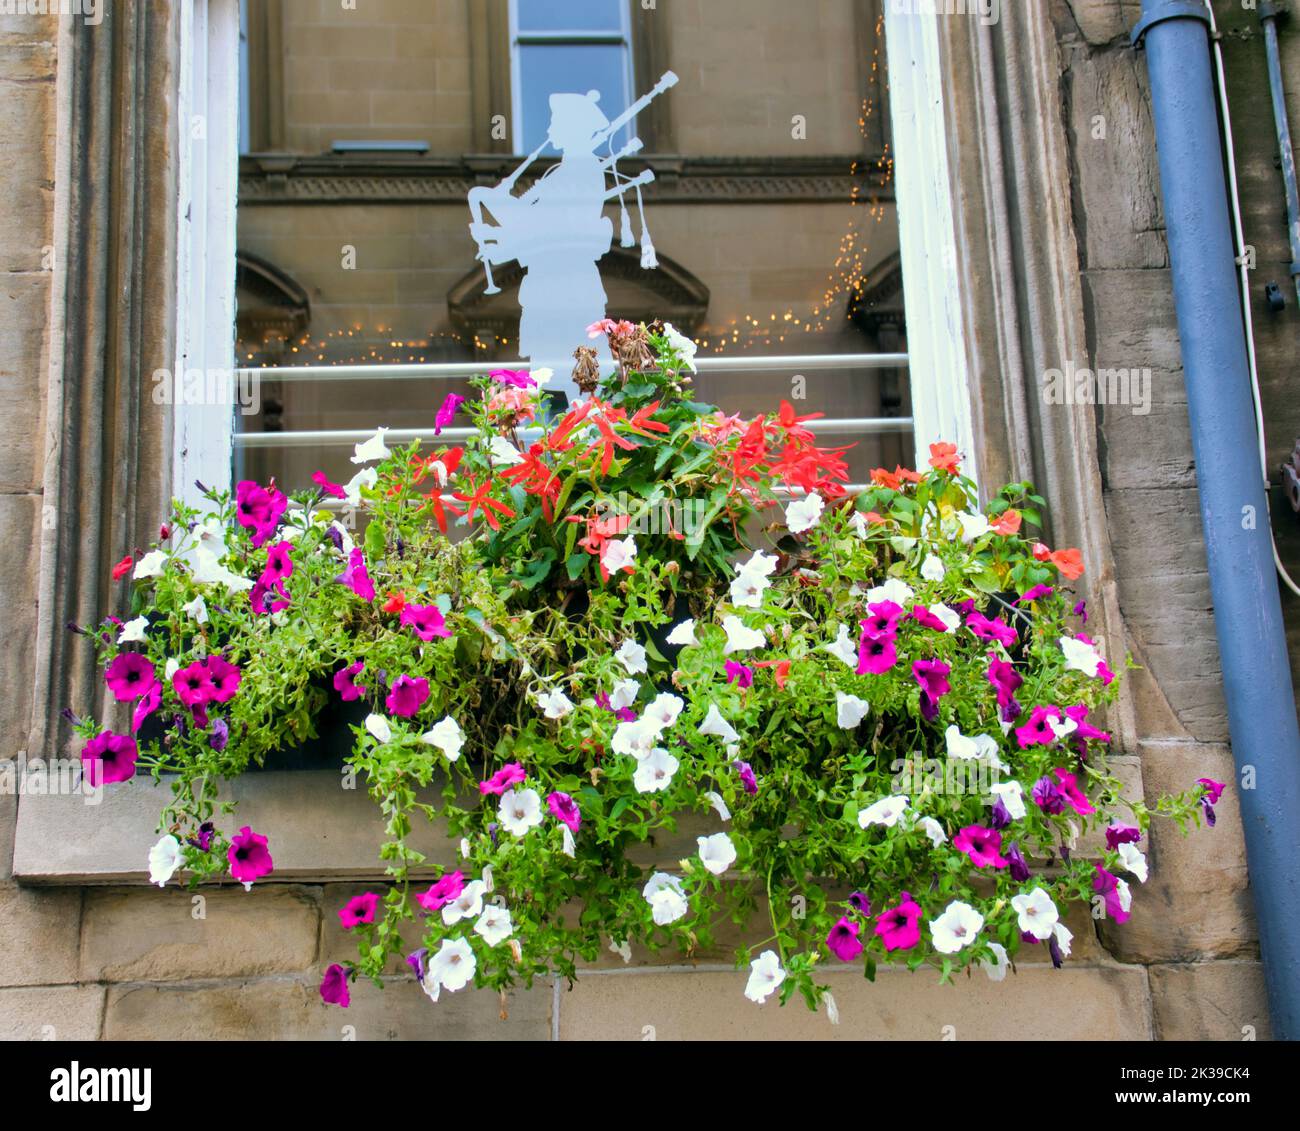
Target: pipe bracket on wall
[[1169, 10]]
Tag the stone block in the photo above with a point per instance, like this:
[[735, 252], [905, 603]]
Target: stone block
[[1210, 1001], [50, 1013], [39, 936]]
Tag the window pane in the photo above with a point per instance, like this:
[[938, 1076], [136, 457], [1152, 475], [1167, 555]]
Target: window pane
[[562, 68], [571, 15]]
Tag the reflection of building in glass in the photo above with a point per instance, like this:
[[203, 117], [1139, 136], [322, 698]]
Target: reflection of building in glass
[[771, 207]]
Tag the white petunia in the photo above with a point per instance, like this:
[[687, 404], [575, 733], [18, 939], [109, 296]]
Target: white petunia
[[684, 347], [667, 900], [684, 634], [164, 858], [379, 727], [956, 927], [1013, 797], [972, 525], [210, 535], [624, 694], [951, 621], [717, 853], [997, 968], [1038, 914], [960, 746], [637, 738], [716, 725], [622, 949], [765, 978], [618, 553], [858, 521], [453, 966], [832, 1010], [1062, 727], [803, 514], [133, 631], [503, 452], [739, 637], [1133, 862], [719, 805], [373, 449], [1080, 657], [170, 668], [664, 709], [747, 590], [367, 477], [655, 771], [494, 925], [446, 736], [1064, 937], [541, 376], [632, 656], [555, 704], [850, 710], [932, 568], [933, 830], [567, 844], [209, 571], [197, 609], [519, 811], [1125, 894], [893, 590], [150, 565], [466, 905], [884, 812], [842, 647]]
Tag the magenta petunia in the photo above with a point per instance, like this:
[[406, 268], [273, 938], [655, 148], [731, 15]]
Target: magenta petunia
[[356, 577], [334, 987], [1035, 594], [109, 757], [193, 684], [447, 412], [883, 619], [358, 910], [1038, 731], [843, 940], [1213, 789], [512, 773], [876, 654], [442, 892], [1048, 796], [259, 509], [1085, 730], [407, 695], [987, 629], [224, 677], [1074, 796], [249, 857], [1122, 834], [564, 809], [427, 620], [148, 704], [900, 927], [983, 846], [129, 676], [517, 378], [932, 675], [739, 674], [1107, 886], [1007, 681], [345, 682], [331, 489], [747, 778], [923, 616]]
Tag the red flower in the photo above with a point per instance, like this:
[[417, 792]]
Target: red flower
[[790, 422], [1069, 562], [395, 604], [480, 499], [1008, 523], [943, 457], [122, 568]]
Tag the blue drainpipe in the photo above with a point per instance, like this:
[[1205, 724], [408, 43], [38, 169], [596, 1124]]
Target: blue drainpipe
[[1247, 608]]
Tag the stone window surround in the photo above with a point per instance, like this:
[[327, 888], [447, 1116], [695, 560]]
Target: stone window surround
[[124, 305]]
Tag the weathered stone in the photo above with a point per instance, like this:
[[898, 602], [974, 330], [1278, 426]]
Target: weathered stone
[[1197, 902], [1086, 1003], [51, 1013], [152, 935], [39, 936], [1210, 1001], [291, 1009], [1098, 21], [26, 155]]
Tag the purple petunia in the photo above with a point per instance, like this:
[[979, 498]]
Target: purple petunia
[[932, 675]]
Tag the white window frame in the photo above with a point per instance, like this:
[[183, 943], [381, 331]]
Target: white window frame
[[209, 87], [566, 37]]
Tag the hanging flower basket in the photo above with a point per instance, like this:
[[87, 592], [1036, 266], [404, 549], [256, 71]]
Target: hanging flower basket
[[883, 703]]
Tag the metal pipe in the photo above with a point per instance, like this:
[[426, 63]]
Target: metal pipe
[[1269, 14], [835, 426], [779, 363], [1234, 508]]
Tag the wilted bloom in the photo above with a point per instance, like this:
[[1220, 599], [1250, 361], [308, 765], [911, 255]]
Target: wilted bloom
[[334, 987], [900, 927], [747, 779], [426, 620], [564, 809], [510, 774], [407, 695], [843, 940], [356, 577], [129, 676], [358, 910], [249, 858], [447, 412], [1213, 791], [220, 737], [108, 757], [344, 682]]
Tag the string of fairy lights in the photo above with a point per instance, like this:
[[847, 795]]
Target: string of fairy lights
[[357, 345]]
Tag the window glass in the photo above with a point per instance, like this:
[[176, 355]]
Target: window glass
[[545, 68], [571, 15]]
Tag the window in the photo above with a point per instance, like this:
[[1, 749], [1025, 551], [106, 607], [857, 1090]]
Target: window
[[551, 44]]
